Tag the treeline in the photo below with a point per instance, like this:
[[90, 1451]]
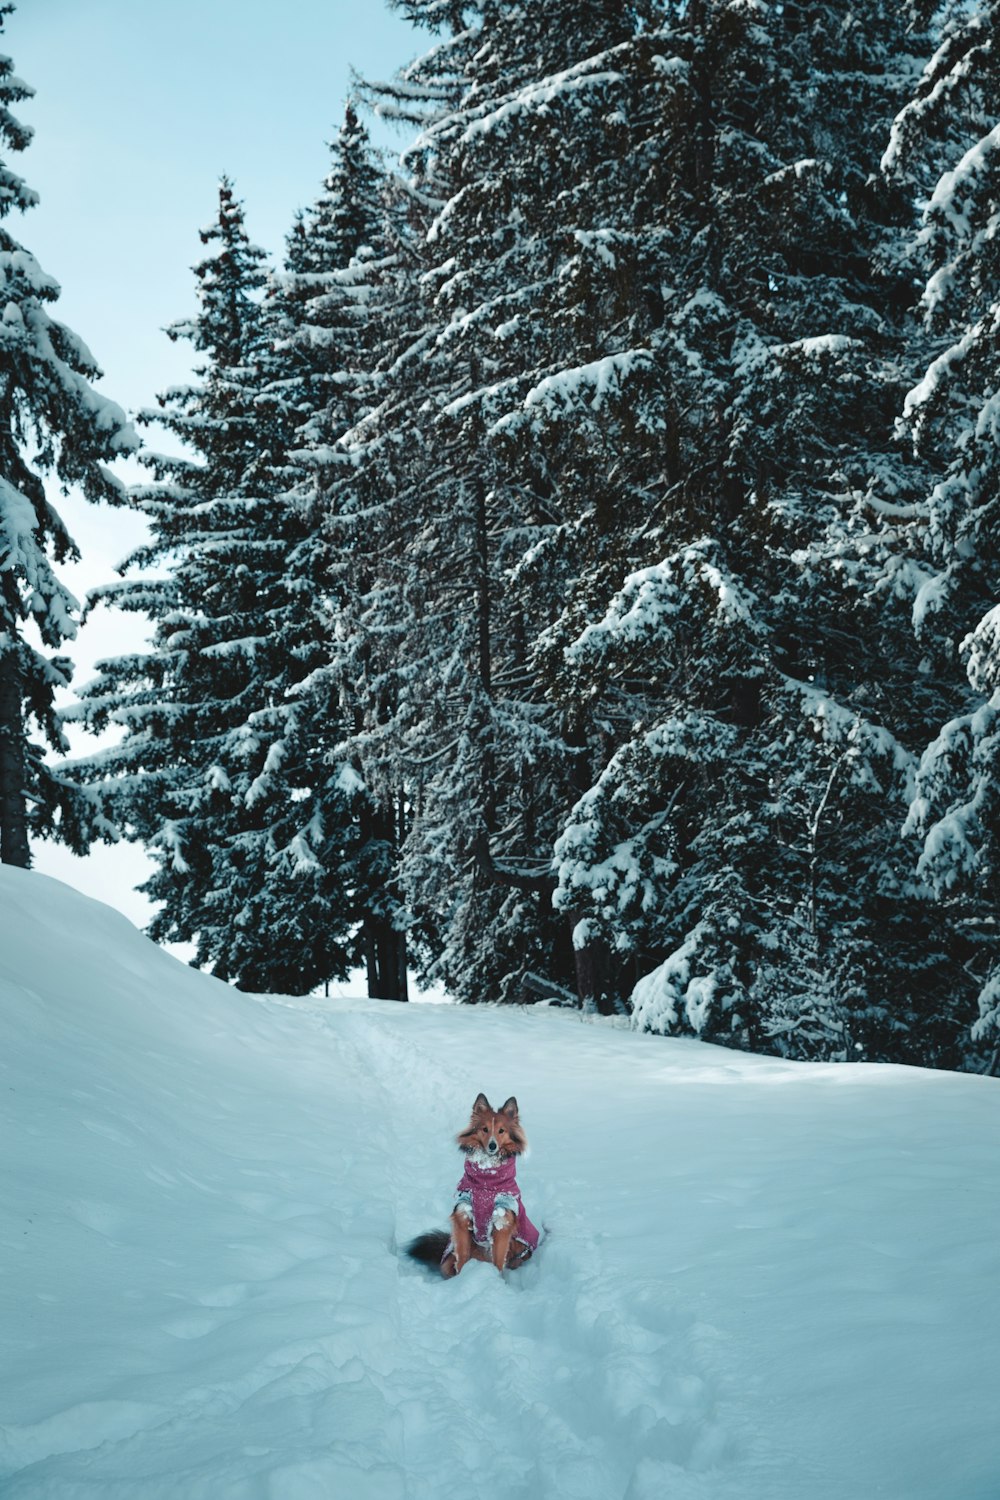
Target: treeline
[[583, 578]]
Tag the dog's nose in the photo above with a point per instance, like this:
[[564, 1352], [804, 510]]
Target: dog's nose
[[491, 1145]]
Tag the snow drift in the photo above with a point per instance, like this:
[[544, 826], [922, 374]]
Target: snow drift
[[762, 1279]]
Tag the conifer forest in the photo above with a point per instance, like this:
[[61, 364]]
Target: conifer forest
[[573, 569]]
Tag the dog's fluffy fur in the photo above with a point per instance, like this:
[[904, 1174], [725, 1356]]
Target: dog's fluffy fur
[[491, 1136]]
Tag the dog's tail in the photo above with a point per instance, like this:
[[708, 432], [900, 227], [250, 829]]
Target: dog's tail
[[428, 1248]]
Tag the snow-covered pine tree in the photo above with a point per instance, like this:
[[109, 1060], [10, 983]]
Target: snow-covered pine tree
[[365, 309], [202, 775], [945, 544], [516, 162], [742, 829], [52, 422], [317, 304], [363, 450], [164, 787], [319, 309]]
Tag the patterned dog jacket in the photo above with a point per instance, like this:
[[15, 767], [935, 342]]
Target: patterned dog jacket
[[489, 1192]]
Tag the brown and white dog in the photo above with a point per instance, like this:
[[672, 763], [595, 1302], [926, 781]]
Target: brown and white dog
[[488, 1221]]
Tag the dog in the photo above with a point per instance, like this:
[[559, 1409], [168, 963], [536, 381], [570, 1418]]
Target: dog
[[488, 1221]]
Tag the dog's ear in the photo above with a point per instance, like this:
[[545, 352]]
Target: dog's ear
[[510, 1108], [482, 1105]]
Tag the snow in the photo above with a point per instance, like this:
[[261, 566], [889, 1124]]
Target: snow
[[926, 104], [556, 395], [759, 360], [671, 990], [938, 371], [952, 797], [762, 1280], [537, 97], [348, 780], [300, 854], [862, 743], [653, 599], [45, 597], [982, 650], [949, 200], [930, 597]]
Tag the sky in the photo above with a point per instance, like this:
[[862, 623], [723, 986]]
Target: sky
[[138, 111]]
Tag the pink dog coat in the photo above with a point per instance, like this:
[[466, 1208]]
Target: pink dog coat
[[489, 1191]]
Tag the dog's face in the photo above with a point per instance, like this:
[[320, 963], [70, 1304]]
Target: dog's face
[[494, 1132]]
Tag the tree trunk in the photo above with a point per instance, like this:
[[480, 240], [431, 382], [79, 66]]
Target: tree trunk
[[370, 939], [402, 982], [14, 847], [385, 960], [592, 978], [385, 948], [483, 588], [591, 963], [381, 962]]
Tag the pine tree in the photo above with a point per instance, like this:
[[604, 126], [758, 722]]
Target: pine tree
[[317, 389], [359, 450], [277, 862], [637, 400], [945, 149], [744, 818], [46, 403], [173, 701], [655, 329], [456, 597], [203, 775]]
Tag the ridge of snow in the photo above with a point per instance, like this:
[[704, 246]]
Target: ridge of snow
[[204, 1295]]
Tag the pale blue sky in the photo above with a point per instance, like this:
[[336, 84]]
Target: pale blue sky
[[139, 108]]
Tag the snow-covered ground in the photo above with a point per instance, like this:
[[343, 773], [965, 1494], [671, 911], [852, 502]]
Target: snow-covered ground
[[762, 1280]]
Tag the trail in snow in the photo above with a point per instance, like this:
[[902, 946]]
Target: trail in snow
[[555, 1381], [762, 1280]]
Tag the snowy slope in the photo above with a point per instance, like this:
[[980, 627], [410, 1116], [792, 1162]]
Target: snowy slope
[[763, 1280]]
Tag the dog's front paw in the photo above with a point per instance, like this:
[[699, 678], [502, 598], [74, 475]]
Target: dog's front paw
[[450, 1266]]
